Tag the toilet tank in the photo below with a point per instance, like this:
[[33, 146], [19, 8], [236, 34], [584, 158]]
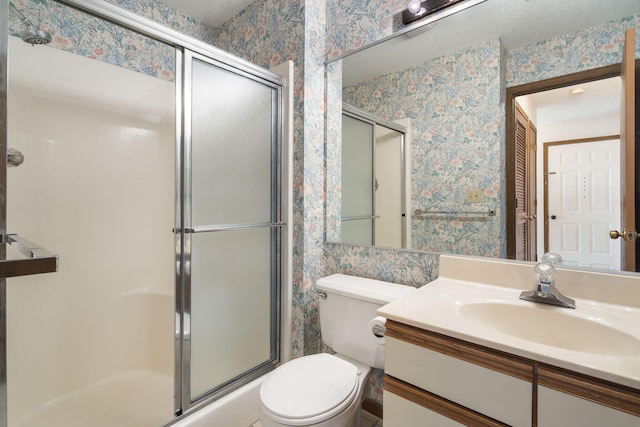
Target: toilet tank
[[350, 305]]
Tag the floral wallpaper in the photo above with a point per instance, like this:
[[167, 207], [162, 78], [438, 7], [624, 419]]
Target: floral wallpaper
[[314, 166], [170, 18], [455, 106], [391, 265], [79, 33], [354, 24], [333, 152], [594, 47], [267, 33]]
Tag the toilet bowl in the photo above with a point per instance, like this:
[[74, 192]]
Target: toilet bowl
[[318, 390], [325, 390]]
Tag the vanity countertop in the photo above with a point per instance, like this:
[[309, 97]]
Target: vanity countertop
[[600, 338]]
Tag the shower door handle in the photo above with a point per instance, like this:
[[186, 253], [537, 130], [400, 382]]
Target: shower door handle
[[37, 260]]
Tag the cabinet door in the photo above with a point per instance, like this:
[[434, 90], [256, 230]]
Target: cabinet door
[[557, 409], [402, 412]]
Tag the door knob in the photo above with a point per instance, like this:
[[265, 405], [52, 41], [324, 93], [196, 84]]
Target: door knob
[[626, 234]]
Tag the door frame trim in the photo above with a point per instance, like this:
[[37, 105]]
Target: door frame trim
[[510, 106]]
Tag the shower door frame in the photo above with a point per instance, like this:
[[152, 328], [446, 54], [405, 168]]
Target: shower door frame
[[182, 43], [185, 232]]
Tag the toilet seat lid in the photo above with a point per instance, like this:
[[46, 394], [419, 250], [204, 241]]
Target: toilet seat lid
[[319, 385]]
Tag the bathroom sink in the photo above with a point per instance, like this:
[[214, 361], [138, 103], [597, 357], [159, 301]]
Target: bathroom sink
[[593, 333], [478, 301], [552, 326]]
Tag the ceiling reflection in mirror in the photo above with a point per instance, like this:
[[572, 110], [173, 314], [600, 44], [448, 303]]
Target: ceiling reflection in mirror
[[446, 81]]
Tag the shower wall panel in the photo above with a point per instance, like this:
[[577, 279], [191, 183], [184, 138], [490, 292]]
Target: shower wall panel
[[97, 188]]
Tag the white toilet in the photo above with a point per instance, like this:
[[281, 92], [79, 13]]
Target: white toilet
[[323, 389]]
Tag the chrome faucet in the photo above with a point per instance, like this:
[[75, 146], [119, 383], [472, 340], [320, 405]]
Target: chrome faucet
[[545, 290]]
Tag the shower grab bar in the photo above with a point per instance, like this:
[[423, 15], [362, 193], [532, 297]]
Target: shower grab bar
[[38, 260], [229, 227]]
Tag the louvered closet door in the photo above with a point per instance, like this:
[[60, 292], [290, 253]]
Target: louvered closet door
[[531, 194], [521, 185]]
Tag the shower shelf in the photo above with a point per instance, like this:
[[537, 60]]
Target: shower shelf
[[37, 260]]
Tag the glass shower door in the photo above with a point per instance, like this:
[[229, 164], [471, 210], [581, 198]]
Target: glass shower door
[[232, 229]]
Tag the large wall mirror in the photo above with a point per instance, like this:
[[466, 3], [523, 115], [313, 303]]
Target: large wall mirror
[[446, 83]]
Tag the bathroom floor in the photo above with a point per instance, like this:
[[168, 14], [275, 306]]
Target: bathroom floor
[[368, 420]]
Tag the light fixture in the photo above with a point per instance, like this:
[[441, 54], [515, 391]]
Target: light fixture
[[577, 90], [417, 9]]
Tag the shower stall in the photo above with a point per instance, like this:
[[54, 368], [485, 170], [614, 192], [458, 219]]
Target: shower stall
[[135, 166]]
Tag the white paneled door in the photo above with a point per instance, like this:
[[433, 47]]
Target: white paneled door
[[584, 202]]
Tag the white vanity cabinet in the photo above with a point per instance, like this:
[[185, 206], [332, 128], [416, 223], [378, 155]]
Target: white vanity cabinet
[[435, 380]]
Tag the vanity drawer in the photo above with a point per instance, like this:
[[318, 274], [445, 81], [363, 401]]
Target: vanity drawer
[[483, 380], [406, 405], [557, 409], [400, 411]]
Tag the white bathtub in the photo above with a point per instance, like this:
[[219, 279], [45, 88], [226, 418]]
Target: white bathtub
[[127, 381], [237, 409]]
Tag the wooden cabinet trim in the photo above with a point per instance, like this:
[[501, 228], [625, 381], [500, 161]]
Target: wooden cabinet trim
[[605, 393], [495, 360], [437, 404]]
